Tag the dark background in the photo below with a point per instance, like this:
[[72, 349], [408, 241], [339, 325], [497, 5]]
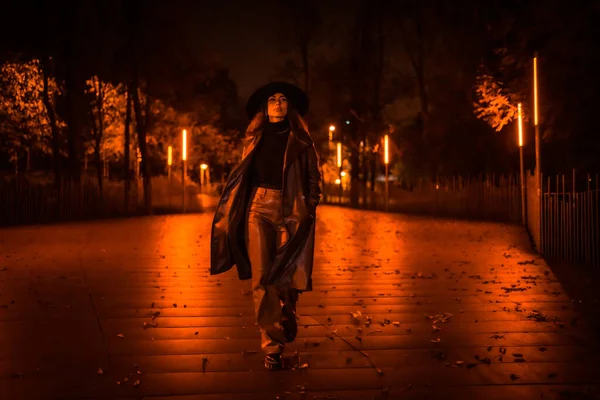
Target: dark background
[[413, 69]]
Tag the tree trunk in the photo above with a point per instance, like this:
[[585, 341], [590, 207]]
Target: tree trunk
[[126, 150], [141, 131], [74, 88], [373, 170], [53, 126], [97, 128], [305, 65]]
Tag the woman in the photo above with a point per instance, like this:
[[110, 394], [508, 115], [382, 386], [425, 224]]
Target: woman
[[265, 220]]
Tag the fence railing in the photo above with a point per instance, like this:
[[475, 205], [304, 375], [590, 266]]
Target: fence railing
[[569, 220], [31, 201], [564, 223], [486, 197]]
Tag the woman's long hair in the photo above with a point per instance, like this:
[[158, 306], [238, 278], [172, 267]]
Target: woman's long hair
[[260, 119]]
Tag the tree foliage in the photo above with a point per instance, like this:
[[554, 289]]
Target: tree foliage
[[24, 120], [493, 102]]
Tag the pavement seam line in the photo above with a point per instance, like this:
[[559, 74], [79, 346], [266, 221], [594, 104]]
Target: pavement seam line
[[85, 279]]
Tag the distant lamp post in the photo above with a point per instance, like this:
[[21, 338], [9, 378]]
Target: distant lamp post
[[169, 161], [169, 164], [538, 161], [183, 159], [331, 129], [339, 164], [386, 160], [203, 168], [520, 121]]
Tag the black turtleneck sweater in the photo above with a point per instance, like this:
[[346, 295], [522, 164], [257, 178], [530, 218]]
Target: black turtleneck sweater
[[267, 164]]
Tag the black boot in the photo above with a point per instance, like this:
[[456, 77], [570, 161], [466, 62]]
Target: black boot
[[289, 326], [274, 362]]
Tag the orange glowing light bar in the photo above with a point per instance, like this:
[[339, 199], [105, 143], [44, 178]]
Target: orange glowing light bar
[[520, 126], [387, 149], [170, 155], [339, 154], [535, 92], [184, 152]]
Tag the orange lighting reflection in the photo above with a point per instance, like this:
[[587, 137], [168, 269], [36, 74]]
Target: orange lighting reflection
[[170, 155], [520, 126], [535, 92], [387, 149], [339, 154], [184, 146]]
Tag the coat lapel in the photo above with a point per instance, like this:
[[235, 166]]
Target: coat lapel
[[298, 141]]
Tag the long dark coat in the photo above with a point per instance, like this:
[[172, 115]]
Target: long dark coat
[[293, 262]]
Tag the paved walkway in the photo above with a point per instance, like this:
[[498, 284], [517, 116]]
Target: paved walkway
[[403, 308]]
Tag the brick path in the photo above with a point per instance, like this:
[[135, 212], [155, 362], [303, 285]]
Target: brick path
[[403, 308]]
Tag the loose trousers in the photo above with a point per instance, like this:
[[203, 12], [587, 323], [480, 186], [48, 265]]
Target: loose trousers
[[265, 234]]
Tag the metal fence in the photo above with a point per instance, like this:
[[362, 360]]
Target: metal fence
[[24, 201], [562, 216], [486, 197], [569, 220], [35, 201]]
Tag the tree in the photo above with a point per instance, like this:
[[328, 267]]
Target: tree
[[27, 119], [108, 106], [300, 23], [493, 102]]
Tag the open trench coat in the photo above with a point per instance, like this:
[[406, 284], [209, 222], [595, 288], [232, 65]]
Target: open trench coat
[[301, 192]]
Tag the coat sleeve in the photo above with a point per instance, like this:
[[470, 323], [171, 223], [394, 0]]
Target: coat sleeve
[[314, 177]]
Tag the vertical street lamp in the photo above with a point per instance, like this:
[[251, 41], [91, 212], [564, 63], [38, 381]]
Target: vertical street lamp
[[203, 168], [169, 163], [386, 160], [520, 118], [538, 161], [183, 159], [339, 164], [331, 129]]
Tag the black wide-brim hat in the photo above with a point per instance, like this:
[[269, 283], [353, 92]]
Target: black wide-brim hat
[[295, 96]]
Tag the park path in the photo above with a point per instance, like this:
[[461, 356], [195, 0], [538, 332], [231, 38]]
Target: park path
[[403, 307]]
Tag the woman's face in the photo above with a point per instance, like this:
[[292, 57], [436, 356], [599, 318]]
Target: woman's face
[[277, 107]]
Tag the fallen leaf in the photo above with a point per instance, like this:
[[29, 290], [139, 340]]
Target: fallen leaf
[[120, 335], [136, 383], [303, 366], [437, 340], [100, 371]]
